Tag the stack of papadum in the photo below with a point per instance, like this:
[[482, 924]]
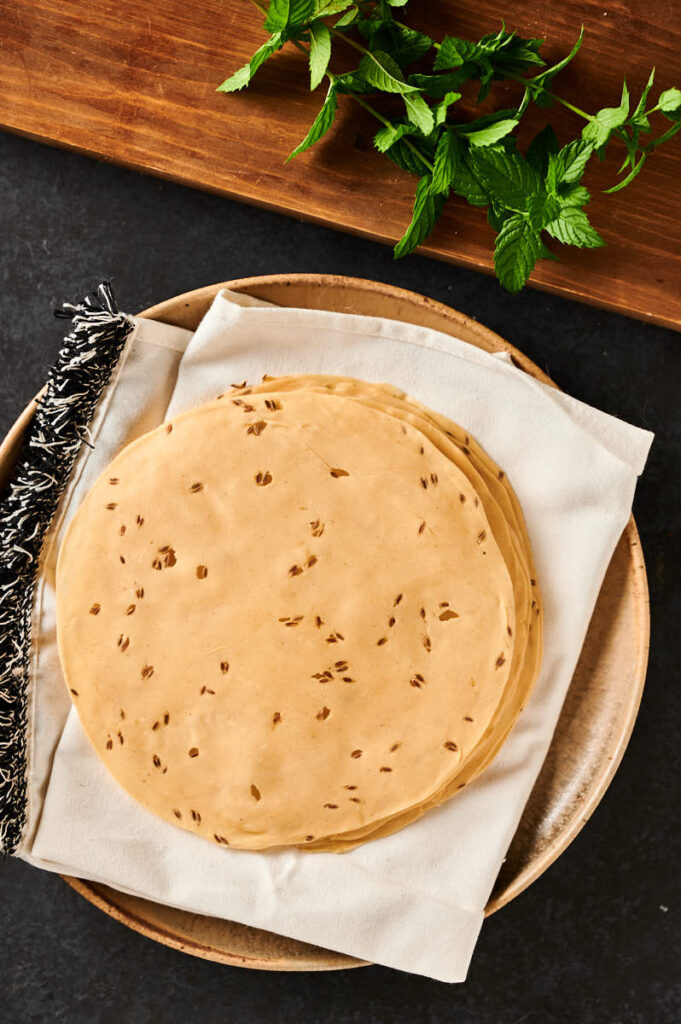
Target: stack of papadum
[[300, 615]]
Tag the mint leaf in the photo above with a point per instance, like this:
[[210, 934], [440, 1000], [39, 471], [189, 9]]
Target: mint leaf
[[243, 76], [497, 216], [546, 254], [509, 52], [327, 8], [437, 86], [375, 30], [544, 79], [284, 13], [506, 176], [381, 71], [670, 103], [568, 165], [320, 125], [489, 135], [427, 209], [320, 52], [239, 80], [573, 195], [349, 18], [542, 209], [638, 118], [390, 134], [630, 138], [543, 145], [465, 182], [517, 249], [634, 173], [670, 100], [440, 110], [599, 130], [301, 11], [405, 45], [453, 53], [419, 113], [277, 15], [486, 119], [409, 45], [351, 82], [448, 155], [572, 227]]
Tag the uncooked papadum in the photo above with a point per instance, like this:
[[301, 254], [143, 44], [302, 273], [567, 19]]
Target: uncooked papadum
[[299, 615]]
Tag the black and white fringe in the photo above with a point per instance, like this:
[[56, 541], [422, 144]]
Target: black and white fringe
[[52, 442]]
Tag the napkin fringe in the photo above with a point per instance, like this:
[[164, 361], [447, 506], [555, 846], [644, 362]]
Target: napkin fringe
[[51, 445]]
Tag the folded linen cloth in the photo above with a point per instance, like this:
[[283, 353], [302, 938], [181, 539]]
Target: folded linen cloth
[[414, 900]]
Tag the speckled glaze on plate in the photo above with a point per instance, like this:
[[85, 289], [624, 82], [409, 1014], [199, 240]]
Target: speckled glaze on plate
[[599, 711]]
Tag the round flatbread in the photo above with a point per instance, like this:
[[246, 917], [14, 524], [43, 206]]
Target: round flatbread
[[492, 486], [300, 615]]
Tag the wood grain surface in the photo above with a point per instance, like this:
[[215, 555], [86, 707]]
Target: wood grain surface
[[134, 83]]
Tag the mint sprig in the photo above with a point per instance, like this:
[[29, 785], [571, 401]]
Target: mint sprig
[[530, 198]]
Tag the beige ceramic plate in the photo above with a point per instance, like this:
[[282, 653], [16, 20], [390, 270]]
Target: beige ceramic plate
[[597, 717]]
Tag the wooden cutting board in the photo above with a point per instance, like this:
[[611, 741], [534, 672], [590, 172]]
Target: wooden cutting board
[[134, 83]]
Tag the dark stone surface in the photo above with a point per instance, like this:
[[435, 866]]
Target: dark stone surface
[[597, 939]]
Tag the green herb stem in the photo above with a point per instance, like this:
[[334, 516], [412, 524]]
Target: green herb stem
[[417, 152], [528, 83]]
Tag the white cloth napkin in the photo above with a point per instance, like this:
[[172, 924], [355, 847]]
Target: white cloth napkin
[[414, 900]]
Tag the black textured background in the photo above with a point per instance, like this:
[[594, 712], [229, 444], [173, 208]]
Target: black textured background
[[597, 939]]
